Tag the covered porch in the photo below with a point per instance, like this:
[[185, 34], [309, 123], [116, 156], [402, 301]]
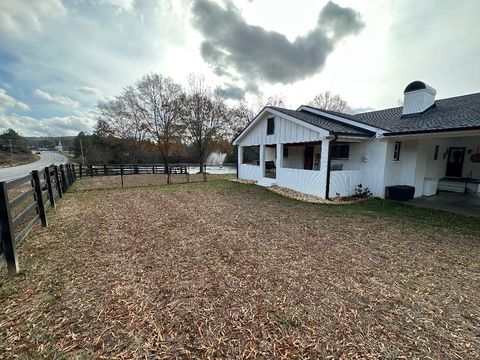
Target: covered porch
[[440, 163], [324, 168]]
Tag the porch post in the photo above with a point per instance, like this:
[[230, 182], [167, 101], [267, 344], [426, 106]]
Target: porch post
[[262, 160], [239, 159], [324, 164], [279, 162]]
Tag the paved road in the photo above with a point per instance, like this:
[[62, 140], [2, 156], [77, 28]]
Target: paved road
[[46, 158]]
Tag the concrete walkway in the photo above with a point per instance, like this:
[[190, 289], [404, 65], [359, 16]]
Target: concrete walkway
[[465, 204]]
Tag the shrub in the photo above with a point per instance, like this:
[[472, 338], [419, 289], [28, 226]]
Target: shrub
[[362, 192]]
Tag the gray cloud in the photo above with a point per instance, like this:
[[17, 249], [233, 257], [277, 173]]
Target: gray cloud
[[230, 91], [231, 45]]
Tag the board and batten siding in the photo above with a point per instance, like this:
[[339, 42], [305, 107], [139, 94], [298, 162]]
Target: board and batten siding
[[286, 131]]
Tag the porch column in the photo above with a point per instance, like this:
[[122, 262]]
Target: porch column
[[240, 155], [239, 159], [324, 170], [262, 160], [279, 160]]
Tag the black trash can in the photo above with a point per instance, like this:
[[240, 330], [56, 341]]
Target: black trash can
[[400, 192]]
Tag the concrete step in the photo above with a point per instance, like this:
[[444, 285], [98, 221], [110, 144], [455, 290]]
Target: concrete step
[[452, 186]]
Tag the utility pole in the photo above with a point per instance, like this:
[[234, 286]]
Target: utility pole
[[11, 149], [81, 150]]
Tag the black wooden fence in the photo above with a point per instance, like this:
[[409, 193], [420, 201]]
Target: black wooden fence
[[33, 195]]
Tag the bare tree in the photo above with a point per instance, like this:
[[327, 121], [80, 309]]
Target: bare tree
[[206, 120], [149, 110], [161, 104], [328, 101]]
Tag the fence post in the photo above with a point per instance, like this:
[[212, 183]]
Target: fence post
[[153, 169], [64, 179], [80, 169], [105, 172], [38, 195], [74, 173], [204, 172], [70, 174], [90, 167], [57, 181], [169, 171], [49, 187], [6, 228], [121, 174], [188, 174]]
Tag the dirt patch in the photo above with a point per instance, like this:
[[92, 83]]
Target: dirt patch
[[227, 270]]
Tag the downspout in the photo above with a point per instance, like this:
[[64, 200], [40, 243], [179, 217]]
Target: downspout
[[327, 188], [237, 160]]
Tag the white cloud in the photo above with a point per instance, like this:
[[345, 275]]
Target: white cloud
[[53, 126], [7, 101], [18, 17], [56, 99], [87, 90]]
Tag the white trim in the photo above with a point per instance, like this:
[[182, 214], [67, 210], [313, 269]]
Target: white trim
[[342, 119], [257, 118]]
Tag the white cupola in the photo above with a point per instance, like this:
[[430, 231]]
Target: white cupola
[[417, 98]]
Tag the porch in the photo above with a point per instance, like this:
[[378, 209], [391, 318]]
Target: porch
[[303, 166]]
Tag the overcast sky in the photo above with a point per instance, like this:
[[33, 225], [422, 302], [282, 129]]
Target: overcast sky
[[58, 58]]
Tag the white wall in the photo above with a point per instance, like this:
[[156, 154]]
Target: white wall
[[249, 172], [306, 181], [286, 131], [343, 183]]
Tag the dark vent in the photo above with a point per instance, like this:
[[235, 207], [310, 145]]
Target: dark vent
[[416, 85]]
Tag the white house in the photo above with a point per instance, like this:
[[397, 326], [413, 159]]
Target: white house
[[428, 144]]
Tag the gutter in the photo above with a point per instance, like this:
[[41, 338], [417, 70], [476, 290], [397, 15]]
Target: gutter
[[420, 132]]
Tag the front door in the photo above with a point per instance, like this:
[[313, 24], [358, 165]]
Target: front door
[[455, 161], [308, 158]]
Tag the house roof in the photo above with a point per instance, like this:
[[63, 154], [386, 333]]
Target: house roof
[[456, 113], [333, 126]]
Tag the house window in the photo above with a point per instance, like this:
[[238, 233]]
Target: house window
[[435, 154], [396, 151], [340, 151], [270, 126], [285, 151], [251, 155]]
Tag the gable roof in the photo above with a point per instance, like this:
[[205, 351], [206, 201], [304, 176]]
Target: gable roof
[[323, 122], [456, 113]]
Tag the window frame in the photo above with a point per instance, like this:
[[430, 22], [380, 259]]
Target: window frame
[[271, 126], [397, 148], [338, 154], [285, 151]]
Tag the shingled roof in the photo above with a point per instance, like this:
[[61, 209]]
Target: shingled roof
[[333, 126], [456, 113]]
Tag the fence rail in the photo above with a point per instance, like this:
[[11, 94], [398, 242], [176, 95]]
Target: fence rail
[[35, 193]]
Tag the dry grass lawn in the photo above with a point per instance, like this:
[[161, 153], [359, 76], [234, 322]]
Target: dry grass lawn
[[228, 270]]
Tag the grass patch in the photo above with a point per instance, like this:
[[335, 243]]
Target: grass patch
[[220, 269]]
